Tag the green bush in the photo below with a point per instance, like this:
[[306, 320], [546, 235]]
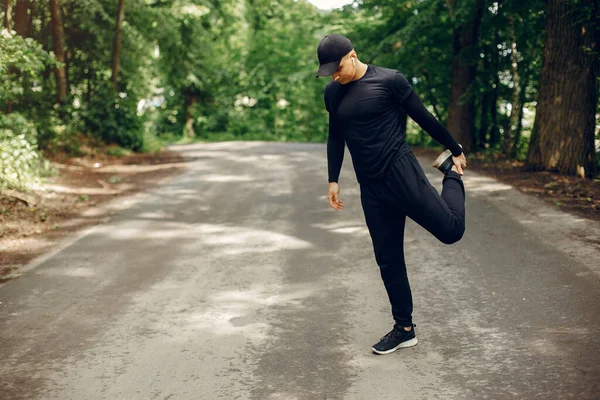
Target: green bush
[[20, 161], [20, 54], [115, 120]]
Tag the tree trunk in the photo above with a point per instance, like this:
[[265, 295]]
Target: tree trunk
[[461, 110], [117, 43], [8, 14], [88, 92], [515, 115], [522, 101], [189, 121], [22, 19], [563, 132], [485, 104], [68, 63], [8, 25], [495, 133], [517, 138], [58, 38], [485, 124], [21, 27]]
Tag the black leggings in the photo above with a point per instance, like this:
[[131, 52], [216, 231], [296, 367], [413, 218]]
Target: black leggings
[[406, 191]]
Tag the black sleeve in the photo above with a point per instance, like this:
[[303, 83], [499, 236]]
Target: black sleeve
[[417, 111], [335, 139], [335, 150], [400, 87]]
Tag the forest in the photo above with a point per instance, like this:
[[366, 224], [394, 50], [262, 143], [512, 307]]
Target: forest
[[516, 79]]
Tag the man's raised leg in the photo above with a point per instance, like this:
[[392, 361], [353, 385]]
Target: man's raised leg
[[442, 215]]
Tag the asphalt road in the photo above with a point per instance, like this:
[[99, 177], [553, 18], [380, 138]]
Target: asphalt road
[[236, 280]]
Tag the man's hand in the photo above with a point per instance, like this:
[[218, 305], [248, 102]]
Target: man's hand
[[334, 196], [460, 162]]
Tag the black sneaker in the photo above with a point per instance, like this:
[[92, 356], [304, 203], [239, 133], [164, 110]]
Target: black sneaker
[[394, 340], [444, 162]]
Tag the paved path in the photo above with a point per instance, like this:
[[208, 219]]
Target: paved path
[[236, 281]]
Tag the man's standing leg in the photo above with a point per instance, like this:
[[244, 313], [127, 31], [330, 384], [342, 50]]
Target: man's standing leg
[[386, 227]]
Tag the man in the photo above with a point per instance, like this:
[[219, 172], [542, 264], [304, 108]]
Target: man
[[365, 103]]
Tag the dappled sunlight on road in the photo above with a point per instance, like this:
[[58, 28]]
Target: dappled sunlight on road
[[229, 239], [237, 280], [483, 185], [233, 312], [156, 214], [238, 240], [225, 178], [282, 396], [343, 227], [79, 272]]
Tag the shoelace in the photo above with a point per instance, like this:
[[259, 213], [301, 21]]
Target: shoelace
[[389, 335], [394, 333]]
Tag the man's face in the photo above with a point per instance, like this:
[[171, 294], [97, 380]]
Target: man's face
[[346, 71]]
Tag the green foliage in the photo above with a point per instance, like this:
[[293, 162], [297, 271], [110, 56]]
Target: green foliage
[[21, 60], [20, 164], [417, 39], [244, 69], [113, 118], [117, 151]]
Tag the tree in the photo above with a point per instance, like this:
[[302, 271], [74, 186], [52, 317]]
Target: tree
[[461, 111], [117, 43], [563, 133], [8, 14], [23, 18], [8, 25], [511, 137], [58, 38]]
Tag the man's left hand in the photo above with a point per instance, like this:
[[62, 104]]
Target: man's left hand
[[460, 162]]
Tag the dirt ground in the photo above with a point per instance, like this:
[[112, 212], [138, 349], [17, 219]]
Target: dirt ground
[[31, 224]]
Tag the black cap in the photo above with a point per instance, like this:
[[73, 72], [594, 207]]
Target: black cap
[[331, 50]]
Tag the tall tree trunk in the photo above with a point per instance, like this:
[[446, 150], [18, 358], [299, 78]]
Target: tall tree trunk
[[8, 25], [484, 121], [117, 43], [88, 92], [485, 104], [22, 19], [495, 133], [515, 110], [58, 38], [190, 100], [68, 62], [517, 138], [8, 6], [522, 101], [29, 31], [461, 110], [563, 132], [21, 27]]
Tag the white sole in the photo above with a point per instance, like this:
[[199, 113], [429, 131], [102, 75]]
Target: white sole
[[409, 343], [441, 158]]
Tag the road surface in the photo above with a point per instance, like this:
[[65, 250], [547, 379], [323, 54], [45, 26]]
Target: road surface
[[236, 280]]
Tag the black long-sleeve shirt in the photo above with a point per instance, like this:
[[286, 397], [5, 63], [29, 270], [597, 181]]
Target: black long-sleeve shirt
[[365, 116]]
